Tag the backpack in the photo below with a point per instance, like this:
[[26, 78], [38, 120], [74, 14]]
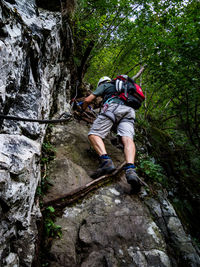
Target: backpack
[[127, 90]]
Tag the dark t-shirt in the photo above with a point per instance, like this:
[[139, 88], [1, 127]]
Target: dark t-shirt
[[107, 89]]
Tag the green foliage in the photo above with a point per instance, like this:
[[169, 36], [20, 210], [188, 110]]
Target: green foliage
[[51, 229], [165, 35], [50, 209], [96, 25], [44, 186], [48, 152], [152, 170]]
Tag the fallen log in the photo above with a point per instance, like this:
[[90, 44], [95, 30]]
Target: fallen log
[[82, 191]]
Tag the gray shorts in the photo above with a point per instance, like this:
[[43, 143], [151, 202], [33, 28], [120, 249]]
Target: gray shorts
[[124, 119]]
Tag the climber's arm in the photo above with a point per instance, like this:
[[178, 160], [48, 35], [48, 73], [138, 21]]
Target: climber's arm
[[88, 100]]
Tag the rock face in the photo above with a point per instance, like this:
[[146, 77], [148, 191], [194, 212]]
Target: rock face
[[111, 227], [32, 64]]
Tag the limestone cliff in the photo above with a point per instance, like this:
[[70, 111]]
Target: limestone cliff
[[34, 76], [110, 226]]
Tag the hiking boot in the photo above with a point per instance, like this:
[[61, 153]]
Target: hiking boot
[[132, 178], [106, 167]]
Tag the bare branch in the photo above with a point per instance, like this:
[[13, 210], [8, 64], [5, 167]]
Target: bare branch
[[139, 72], [80, 192], [132, 68]]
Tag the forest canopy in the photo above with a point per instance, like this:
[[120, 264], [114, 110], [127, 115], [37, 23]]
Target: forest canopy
[[120, 36]]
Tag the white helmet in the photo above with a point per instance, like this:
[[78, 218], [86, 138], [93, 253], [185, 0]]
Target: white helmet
[[103, 79]]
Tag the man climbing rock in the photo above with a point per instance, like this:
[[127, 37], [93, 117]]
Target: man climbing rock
[[114, 111]]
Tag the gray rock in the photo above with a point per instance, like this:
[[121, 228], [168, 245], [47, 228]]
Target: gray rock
[[111, 227], [173, 230], [31, 63], [12, 260]]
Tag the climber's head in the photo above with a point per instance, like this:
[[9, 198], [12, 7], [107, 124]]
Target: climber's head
[[103, 80]]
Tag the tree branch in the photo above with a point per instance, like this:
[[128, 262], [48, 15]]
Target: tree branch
[[139, 72], [132, 68], [80, 192], [82, 68], [170, 117]]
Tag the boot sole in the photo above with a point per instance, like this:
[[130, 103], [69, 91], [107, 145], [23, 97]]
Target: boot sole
[[101, 173], [135, 186]]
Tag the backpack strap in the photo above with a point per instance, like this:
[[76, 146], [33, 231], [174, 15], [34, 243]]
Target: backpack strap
[[126, 89], [118, 85], [110, 99]]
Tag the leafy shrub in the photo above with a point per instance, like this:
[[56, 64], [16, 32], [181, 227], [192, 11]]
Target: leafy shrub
[[152, 170], [51, 229], [48, 152]]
